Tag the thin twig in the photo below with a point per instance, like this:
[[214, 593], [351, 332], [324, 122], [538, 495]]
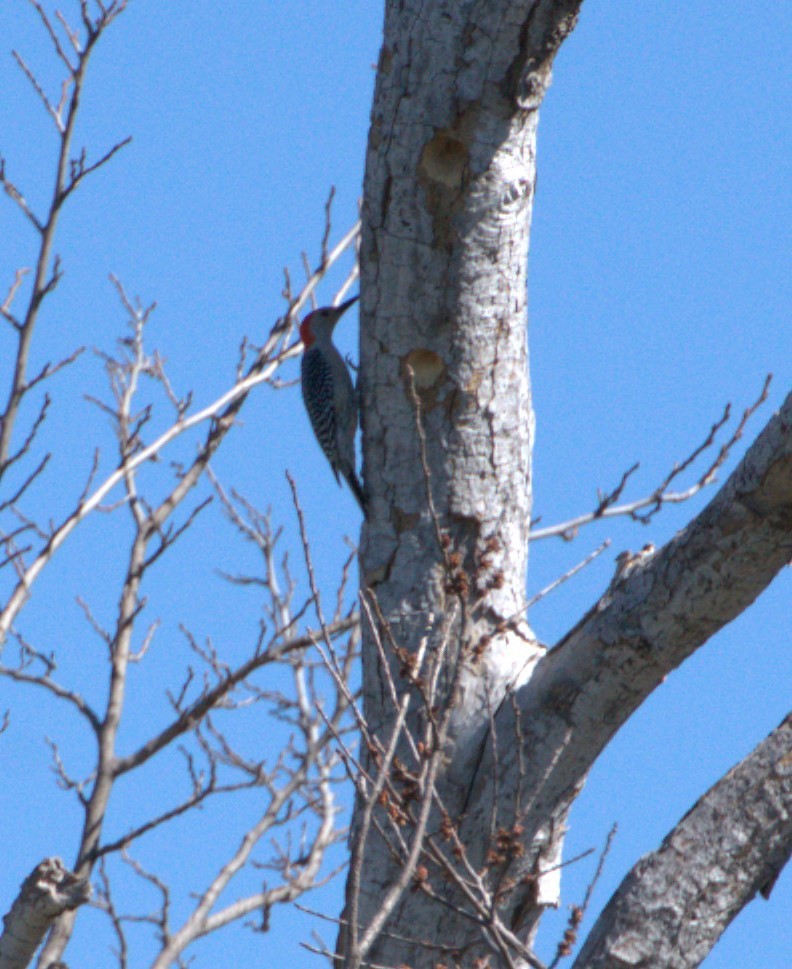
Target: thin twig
[[567, 575], [607, 507], [578, 912]]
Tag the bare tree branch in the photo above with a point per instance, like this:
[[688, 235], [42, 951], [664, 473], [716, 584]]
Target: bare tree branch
[[220, 413], [19, 277], [675, 903], [665, 608], [45, 278], [644, 509]]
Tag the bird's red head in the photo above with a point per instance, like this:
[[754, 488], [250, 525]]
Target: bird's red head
[[306, 334], [325, 319]]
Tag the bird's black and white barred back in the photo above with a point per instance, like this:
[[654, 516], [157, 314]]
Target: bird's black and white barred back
[[317, 375], [329, 395]]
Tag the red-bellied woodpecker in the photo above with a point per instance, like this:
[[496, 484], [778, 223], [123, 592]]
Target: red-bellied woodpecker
[[328, 393]]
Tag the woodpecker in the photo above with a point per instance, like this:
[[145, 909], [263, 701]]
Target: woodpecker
[[329, 395]]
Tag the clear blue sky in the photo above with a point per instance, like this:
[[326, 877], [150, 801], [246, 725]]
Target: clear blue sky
[[659, 290]]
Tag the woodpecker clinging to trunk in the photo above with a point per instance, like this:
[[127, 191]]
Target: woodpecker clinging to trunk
[[328, 393]]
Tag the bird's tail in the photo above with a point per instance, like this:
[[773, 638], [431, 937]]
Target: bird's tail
[[356, 488]]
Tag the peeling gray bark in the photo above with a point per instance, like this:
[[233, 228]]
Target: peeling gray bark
[[674, 905], [450, 172]]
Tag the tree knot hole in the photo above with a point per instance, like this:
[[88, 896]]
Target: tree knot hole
[[427, 369], [444, 160]]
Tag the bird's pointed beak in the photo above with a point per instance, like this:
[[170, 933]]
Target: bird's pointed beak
[[345, 306]]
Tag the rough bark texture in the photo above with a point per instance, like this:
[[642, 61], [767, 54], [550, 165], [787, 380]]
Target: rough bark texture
[[448, 196], [449, 188], [676, 902]]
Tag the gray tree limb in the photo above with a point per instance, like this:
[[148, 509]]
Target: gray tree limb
[[662, 612], [675, 903]]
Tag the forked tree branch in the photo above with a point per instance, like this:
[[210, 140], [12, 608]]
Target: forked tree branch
[[69, 173], [221, 413], [665, 609]]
